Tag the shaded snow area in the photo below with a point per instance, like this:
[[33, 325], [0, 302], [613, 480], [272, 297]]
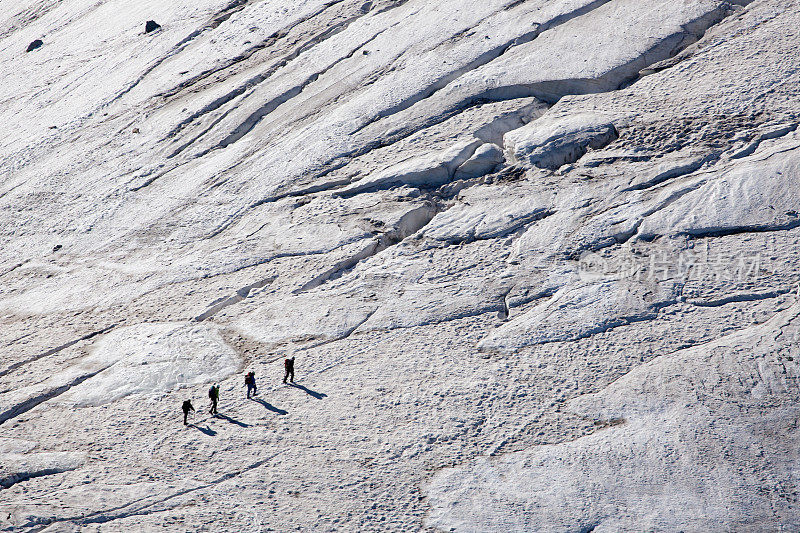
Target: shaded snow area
[[536, 262]]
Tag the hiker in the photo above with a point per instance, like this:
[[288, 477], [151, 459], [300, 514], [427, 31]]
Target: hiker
[[250, 381], [187, 406], [213, 394], [289, 365]]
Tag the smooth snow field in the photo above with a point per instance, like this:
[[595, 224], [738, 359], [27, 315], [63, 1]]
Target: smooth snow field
[[537, 261]]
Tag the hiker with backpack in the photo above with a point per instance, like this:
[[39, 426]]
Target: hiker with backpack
[[250, 383], [187, 406], [288, 364], [213, 394]]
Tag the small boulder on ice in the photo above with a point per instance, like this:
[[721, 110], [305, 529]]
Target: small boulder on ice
[[151, 26], [34, 45]]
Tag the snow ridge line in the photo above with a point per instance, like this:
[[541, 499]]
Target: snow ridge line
[[341, 337], [257, 116], [27, 16], [16, 410], [277, 197], [723, 232], [216, 19], [311, 189], [409, 224], [621, 77], [251, 121], [673, 173], [240, 295], [235, 93], [253, 82], [626, 236], [272, 39], [9, 481], [522, 221], [13, 268], [676, 195], [375, 246], [484, 59], [101, 517], [740, 297], [548, 91], [642, 316], [56, 350], [552, 91], [755, 143]]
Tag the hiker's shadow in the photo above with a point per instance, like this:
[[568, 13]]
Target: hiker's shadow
[[206, 430], [270, 406], [232, 420], [315, 394]]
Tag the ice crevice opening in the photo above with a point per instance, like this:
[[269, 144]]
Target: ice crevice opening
[[482, 60], [564, 150], [257, 116], [739, 297], [18, 467], [552, 91], [239, 296], [410, 223], [56, 350], [549, 91], [17, 409], [566, 147]]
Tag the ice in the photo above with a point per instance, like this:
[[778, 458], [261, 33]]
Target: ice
[[153, 358], [663, 426], [557, 141], [536, 260], [18, 467]]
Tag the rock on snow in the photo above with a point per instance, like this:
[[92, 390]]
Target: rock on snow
[[537, 263]]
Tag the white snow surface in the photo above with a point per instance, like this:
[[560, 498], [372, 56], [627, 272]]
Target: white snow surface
[[536, 262], [152, 358]]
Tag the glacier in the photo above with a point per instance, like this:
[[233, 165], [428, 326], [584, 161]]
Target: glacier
[[536, 261]]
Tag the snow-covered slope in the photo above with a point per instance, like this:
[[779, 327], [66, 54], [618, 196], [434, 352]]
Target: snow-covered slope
[[536, 260]]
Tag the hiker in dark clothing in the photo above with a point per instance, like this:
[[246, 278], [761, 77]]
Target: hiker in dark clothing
[[213, 394], [289, 365], [187, 406], [250, 382]]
